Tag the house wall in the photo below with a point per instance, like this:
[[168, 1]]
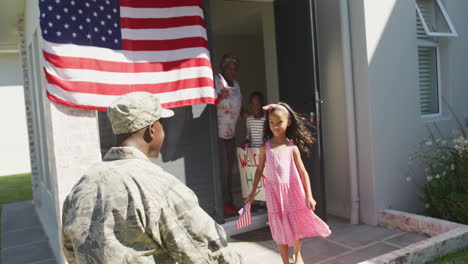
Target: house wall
[[389, 123], [65, 140], [45, 201], [188, 152], [14, 148], [393, 90], [454, 60]]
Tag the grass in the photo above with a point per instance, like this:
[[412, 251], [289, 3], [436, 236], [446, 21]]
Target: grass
[[14, 188], [459, 257]]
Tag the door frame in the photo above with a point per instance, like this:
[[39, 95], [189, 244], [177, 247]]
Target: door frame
[[219, 215], [318, 103], [213, 129], [311, 87]]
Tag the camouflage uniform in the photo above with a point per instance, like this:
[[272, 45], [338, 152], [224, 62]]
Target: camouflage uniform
[[129, 210]]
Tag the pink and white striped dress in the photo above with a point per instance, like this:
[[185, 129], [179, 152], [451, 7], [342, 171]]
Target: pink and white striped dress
[[290, 218]]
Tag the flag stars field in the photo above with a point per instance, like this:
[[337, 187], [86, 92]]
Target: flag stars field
[[159, 47]]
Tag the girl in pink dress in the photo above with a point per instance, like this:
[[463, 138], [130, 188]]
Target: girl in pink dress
[[287, 187]]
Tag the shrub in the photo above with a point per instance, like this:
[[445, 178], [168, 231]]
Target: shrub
[[445, 192]]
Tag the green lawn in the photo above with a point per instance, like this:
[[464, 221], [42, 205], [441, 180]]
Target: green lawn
[[14, 188], [459, 257]]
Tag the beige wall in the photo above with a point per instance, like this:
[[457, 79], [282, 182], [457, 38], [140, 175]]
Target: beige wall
[[14, 149]]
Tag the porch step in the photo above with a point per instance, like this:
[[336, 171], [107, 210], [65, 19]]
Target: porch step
[[23, 238]]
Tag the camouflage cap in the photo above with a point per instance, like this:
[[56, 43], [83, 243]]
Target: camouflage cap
[[134, 111]]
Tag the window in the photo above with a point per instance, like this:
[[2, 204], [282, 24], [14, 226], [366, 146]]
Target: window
[[434, 18], [432, 22]]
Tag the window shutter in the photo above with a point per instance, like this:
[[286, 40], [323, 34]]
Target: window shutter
[[428, 81], [421, 34], [427, 10]]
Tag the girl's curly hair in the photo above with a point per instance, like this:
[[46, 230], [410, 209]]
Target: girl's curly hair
[[300, 130]]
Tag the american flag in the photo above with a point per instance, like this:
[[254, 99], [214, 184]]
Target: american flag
[[245, 218], [97, 50]]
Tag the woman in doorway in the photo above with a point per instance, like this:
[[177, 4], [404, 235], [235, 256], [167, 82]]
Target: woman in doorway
[[229, 109]]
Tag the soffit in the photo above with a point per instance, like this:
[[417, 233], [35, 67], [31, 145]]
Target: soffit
[[10, 13]]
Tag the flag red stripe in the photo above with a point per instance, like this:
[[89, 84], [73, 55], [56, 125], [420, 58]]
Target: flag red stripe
[[180, 103], [159, 3], [169, 44], [151, 23], [127, 67], [248, 215], [245, 219], [120, 89], [63, 102]]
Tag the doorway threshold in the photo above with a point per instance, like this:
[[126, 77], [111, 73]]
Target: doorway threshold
[[259, 220]]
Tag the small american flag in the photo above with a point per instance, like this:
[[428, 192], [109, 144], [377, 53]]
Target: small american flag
[[245, 218], [97, 50], [223, 81]]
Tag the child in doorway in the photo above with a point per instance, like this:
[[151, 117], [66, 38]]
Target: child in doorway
[[287, 187], [254, 137], [254, 123]]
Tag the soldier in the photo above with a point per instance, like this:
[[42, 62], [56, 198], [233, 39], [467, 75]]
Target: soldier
[[128, 210]]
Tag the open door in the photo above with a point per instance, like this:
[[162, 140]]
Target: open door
[[298, 78]]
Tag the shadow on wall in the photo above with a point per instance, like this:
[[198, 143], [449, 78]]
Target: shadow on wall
[[188, 143], [188, 138]]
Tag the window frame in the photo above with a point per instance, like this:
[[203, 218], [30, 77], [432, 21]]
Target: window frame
[[453, 32]]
